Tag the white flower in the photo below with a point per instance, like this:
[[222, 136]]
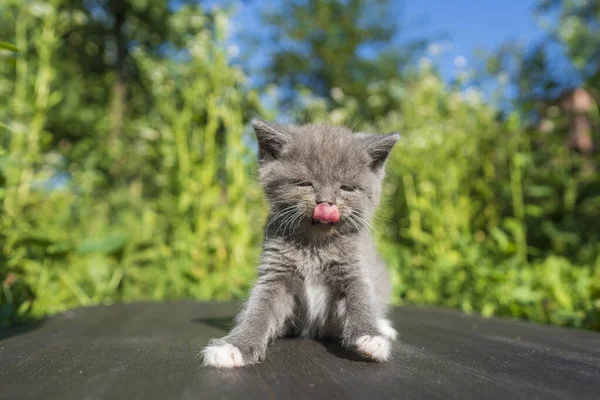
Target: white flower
[[430, 81], [337, 116], [460, 61], [198, 47], [424, 62], [434, 49], [472, 96], [233, 50], [546, 126], [420, 142], [149, 134], [156, 75], [337, 94], [197, 21], [222, 24], [239, 74], [79, 17], [502, 78], [40, 9], [437, 48]]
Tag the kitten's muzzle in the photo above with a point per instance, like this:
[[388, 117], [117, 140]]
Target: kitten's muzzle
[[326, 213]]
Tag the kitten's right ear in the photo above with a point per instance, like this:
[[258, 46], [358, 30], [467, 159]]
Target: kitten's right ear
[[271, 139], [379, 147]]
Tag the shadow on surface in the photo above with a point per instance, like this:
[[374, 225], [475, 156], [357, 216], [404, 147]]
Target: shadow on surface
[[222, 323], [339, 351], [332, 346], [20, 329]]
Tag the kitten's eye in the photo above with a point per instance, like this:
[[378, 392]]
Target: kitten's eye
[[304, 184], [348, 188]]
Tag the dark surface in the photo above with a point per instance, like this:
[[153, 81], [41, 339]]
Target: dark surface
[[150, 351]]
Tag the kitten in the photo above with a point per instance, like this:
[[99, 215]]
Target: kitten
[[320, 275]]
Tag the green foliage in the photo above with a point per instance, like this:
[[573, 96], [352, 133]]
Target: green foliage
[[129, 176], [567, 57], [161, 211], [8, 46], [577, 29], [488, 222]]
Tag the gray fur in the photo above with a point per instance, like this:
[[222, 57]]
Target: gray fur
[[318, 281]]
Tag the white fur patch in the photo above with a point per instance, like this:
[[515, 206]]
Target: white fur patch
[[374, 347], [222, 356], [317, 304], [385, 326]]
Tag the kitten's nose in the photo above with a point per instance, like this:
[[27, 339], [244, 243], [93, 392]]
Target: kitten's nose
[[326, 212], [325, 194]]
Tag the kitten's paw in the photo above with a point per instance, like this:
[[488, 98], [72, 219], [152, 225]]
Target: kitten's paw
[[222, 355], [385, 326], [374, 347]]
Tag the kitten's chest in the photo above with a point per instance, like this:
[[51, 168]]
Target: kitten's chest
[[316, 304], [321, 274], [318, 291]]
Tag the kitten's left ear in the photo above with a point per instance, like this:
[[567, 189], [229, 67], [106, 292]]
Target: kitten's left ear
[[379, 147], [271, 139]]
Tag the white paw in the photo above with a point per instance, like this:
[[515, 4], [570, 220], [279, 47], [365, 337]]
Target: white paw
[[374, 347], [222, 356], [385, 326]]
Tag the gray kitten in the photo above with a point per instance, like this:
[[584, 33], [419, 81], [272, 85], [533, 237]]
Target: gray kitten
[[319, 275]]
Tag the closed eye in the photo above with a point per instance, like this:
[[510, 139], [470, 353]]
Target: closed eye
[[346, 188], [304, 184]]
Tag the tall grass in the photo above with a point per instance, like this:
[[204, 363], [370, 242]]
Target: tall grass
[[181, 218]]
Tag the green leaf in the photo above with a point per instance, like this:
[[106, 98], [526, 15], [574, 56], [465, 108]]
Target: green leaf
[[107, 245], [8, 46], [540, 191]]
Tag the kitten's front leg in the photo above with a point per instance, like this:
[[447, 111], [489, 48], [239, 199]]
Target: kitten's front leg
[[262, 319], [361, 330]]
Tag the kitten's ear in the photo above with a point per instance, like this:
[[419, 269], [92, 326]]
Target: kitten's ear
[[379, 147], [271, 139]]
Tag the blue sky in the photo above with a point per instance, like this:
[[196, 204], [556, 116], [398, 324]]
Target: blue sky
[[466, 26], [470, 25]]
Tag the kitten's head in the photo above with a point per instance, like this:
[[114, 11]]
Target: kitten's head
[[319, 179]]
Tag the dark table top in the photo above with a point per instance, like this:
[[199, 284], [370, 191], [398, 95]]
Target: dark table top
[[150, 351]]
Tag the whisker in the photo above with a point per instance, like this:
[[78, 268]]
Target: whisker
[[288, 221], [292, 223], [297, 218], [287, 218], [358, 216], [367, 223], [300, 216], [285, 210], [387, 220], [354, 223], [281, 214], [357, 225]]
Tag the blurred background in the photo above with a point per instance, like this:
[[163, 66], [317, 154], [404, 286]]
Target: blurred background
[[127, 161]]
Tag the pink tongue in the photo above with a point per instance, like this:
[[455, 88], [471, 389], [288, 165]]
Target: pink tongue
[[326, 213]]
